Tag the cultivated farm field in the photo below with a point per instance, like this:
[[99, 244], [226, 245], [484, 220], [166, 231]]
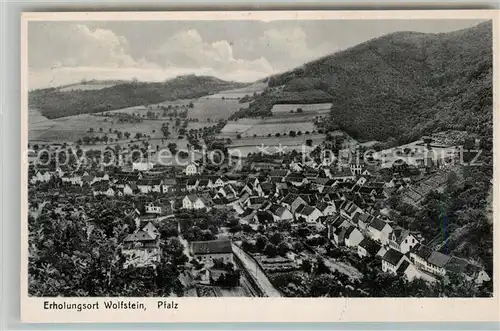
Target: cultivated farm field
[[318, 108], [239, 93], [72, 128], [272, 145], [265, 127], [204, 109]]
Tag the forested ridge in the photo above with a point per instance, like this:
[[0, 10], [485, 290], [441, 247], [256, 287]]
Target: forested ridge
[[54, 103], [401, 85]]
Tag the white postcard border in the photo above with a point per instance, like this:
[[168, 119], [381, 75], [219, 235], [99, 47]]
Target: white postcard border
[[260, 309]]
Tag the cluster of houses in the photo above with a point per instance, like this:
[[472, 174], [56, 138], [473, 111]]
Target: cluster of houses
[[340, 200]]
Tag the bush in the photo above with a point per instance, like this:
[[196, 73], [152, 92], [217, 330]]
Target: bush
[[270, 250]]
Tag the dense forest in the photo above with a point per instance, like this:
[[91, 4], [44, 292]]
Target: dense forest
[[401, 85], [54, 103]]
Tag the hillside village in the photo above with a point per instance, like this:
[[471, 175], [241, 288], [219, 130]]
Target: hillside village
[[365, 173], [280, 214]]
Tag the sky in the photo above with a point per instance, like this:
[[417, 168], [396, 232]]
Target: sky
[[62, 53]]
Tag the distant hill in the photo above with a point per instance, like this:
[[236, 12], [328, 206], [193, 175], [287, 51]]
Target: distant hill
[[400, 85], [91, 85], [54, 103]]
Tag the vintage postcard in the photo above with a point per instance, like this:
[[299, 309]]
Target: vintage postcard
[[270, 166]]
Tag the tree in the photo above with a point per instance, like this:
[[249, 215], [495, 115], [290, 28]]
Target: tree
[[276, 238], [270, 250], [165, 131], [283, 248], [292, 134], [324, 285], [309, 142], [299, 110], [260, 242], [297, 246], [172, 147], [306, 265], [247, 246], [321, 267], [127, 135]]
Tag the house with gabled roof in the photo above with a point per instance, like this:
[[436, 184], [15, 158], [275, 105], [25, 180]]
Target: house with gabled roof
[[220, 181], [100, 188], [144, 186], [255, 202], [151, 230], [158, 208], [168, 185], [204, 183], [268, 189], [264, 217], [281, 213], [191, 169], [402, 240], [392, 260], [196, 202], [472, 272], [228, 192], [344, 175], [368, 248], [297, 179], [131, 189], [429, 260], [42, 176], [192, 184], [353, 237], [296, 166], [379, 230], [208, 251], [326, 208], [292, 201], [142, 248], [309, 213], [334, 222], [348, 209]]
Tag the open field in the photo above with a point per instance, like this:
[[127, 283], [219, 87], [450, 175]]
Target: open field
[[317, 108], [272, 144], [204, 109], [214, 109], [239, 93], [72, 128], [264, 127]]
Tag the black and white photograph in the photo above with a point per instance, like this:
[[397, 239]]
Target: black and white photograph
[[297, 158]]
